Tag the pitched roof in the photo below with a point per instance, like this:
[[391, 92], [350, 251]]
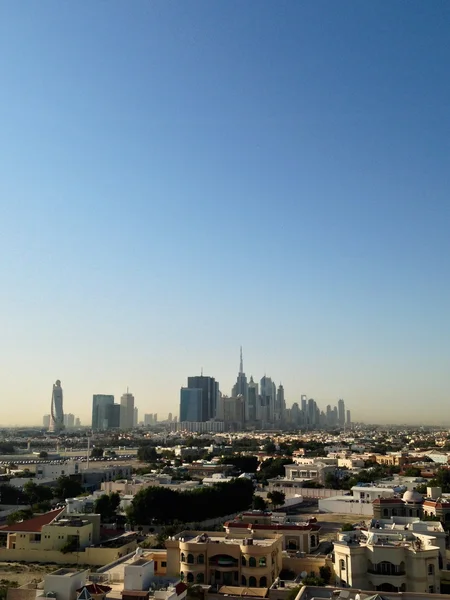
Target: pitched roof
[[84, 594], [94, 589], [35, 524]]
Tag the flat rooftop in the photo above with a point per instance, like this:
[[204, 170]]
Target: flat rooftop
[[217, 538]]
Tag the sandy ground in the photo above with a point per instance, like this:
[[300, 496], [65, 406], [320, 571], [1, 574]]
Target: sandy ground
[[25, 573]]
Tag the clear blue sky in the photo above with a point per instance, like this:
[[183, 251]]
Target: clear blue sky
[[180, 178]]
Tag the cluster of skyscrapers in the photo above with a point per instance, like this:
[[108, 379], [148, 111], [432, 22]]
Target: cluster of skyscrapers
[[252, 404], [106, 414]]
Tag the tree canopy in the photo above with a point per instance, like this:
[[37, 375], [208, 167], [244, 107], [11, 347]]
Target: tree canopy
[[147, 453]]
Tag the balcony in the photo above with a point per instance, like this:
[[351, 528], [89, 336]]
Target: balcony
[[399, 573]]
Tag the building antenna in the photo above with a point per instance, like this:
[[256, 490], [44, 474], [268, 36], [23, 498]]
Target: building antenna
[[241, 363], [201, 371]]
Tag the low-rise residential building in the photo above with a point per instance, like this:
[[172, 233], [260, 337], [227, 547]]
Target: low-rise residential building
[[408, 505], [399, 554], [359, 503], [296, 537], [238, 558], [55, 537]]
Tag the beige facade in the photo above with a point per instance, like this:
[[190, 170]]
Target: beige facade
[[397, 556], [223, 559]]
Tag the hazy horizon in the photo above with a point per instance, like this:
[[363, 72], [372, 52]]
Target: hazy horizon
[[179, 179]]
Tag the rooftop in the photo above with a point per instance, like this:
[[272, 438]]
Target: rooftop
[[35, 524], [222, 538]]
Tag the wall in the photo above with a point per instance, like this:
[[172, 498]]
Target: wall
[[329, 505], [90, 556], [308, 563], [290, 492], [139, 576], [65, 586]]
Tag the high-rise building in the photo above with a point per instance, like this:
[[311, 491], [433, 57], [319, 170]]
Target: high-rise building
[[155, 418], [56, 412], [77, 422], [295, 414], [191, 404], [127, 411], [280, 405], [169, 418], [253, 404], [268, 397], [234, 412], [113, 413], [148, 420], [210, 394], [135, 417], [46, 421], [240, 388], [341, 413], [69, 421], [101, 410], [349, 418]]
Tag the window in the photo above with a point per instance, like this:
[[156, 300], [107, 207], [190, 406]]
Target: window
[[342, 564], [262, 561], [431, 589], [163, 563], [252, 562], [182, 557], [243, 580], [430, 569], [201, 559], [190, 578], [263, 582], [190, 559], [200, 578], [385, 512], [243, 561], [252, 581], [313, 540]]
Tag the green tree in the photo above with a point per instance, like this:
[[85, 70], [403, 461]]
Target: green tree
[[19, 515], [97, 452], [147, 453], [325, 573], [258, 503], [412, 472], [293, 592], [43, 454], [5, 584], [270, 448], [242, 462], [67, 488], [347, 527], [272, 467], [37, 493], [106, 506], [276, 498]]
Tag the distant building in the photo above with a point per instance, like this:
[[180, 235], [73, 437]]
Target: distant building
[[113, 413], [135, 417], [57, 412], [127, 411], [252, 408], [341, 413], [240, 388], [191, 404], [234, 412], [100, 411], [69, 421], [210, 394], [148, 420], [349, 418], [77, 422], [46, 421]]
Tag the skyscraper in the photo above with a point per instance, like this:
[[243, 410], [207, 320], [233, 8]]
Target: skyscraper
[[69, 421], [210, 393], [113, 412], [127, 411], [240, 388], [100, 411], [191, 404], [268, 396], [349, 418], [252, 401], [46, 421], [341, 413], [136, 417], [56, 411], [280, 404]]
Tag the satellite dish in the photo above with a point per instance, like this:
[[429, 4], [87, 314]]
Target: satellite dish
[[303, 574]]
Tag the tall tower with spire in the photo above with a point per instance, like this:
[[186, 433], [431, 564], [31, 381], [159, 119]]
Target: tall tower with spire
[[240, 388]]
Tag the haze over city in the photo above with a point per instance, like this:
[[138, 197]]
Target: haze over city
[[180, 179]]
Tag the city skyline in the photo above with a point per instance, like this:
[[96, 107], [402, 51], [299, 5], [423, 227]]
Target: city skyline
[[226, 144]]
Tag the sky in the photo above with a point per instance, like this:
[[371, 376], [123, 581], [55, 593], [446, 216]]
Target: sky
[[180, 178]]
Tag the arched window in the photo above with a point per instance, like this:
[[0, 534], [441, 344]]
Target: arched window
[[190, 559], [243, 561], [313, 540], [252, 581], [200, 578], [243, 580], [190, 578], [262, 561], [430, 569], [342, 564], [182, 576], [182, 557], [252, 562], [201, 559], [263, 582]]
